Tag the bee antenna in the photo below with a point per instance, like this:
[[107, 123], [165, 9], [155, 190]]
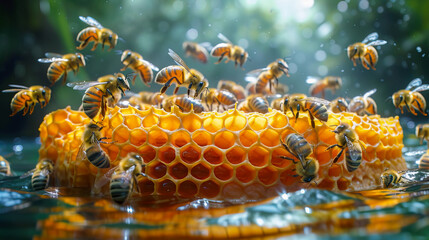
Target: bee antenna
[[88, 57], [119, 52], [388, 98], [121, 39]]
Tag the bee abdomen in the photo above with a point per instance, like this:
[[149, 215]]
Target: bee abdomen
[[145, 73], [39, 180], [424, 161], [56, 71], [319, 111], [221, 49], [92, 100], [97, 156], [353, 164], [120, 189], [87, 33]]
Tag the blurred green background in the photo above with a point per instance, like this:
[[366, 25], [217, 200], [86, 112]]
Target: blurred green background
[[313, 35]]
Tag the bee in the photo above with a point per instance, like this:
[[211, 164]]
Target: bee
[[186, 104], [4, 167], [299, 147], [232, 87], [41, 174], [97, 34], [150, 98], [266, 76], [219, 97], [90, 147], [230, 51], [347, 138], [390, 178], [339, 105], [365, 51], [364, 105], [422, 132], [97, 94], [277, 103], [411, 98], [316, 107], [320, 85], [424, 161], [142, 67], [26, 98], [182, 76], [61, 64], [197, 51], [254, 103]]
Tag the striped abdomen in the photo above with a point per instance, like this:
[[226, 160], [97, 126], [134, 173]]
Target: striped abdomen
[[92, 101], [318, 110], [168, 73], [418, 103], [424, 161], [298, 145], [226, 98], [145, 72], [40, 179], [355, 151], [263, 79], [87, 35], [222, 49], [97, 156], [20, 101], [186, 104], [56, 71], [121, 185], [258, 104]]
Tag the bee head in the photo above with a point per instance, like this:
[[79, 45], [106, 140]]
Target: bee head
[[341, 128]]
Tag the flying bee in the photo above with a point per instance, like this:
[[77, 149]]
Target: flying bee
[[254, 103], [41, 174], [347, 138], [61, 64], [230, 51], [197, 51], [299, 147], [411, 98], [97, 34], [90, 147], [4, 167], [26, 98], [316, 107], [266, 76], [364, 105], [339, 105], [232, 87], [390, 178], [219, 97], [320, 85], [142, 67], [107, 90], [365, 51], [422, 132], [182, 76]]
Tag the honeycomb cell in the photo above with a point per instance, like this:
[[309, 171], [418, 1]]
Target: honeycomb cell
[[209, 189], [120, 134], [167, 154], [166, 188], [258, 156], [187, 189], [257, 123], [334, 171], [236, 155], [267, 175], [137, 137], [326, 183], [190, 154], [245, 173], [146, 186], [169, 122], [178, 171], [248, 137], [191, 122], [202, 138], [147, 153], [224, 139], [278, 161], [125, 150], [60, 116], [213, 124], [116, 120], [132, 121], [322, 155], [223, 172], [200, 171], [75, 118], [278, 120], [213, 155], [236, 122], [180, 138], [287, 177], [65, 127], [157, 138], [302, 124], [269, 138], [232, 190], [150, 120], [53, 129], [157, 170], [112, 150]]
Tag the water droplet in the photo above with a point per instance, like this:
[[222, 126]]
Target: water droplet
[[419, 49], [342, 6]]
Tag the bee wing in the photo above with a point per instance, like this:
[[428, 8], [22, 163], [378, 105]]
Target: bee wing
[[53, 55], [84, 85], [319, 100], [207, 46], [354, 154], [371, 37], [369, 93], [29, 173], [421, 88], [52, 59], [251, 79], [377, 43], [256, 72], [223, 38], [91, 22], [413, 84], [312, 79], [151, 65], [103, 180], [178, 60]]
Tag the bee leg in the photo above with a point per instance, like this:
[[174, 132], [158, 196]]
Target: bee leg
[[189, 88], [288, 158], [298, 108], [420, 108], [221, 57], [83, 44], [293, 113], [95, 46], [338, 156], [65, 77], [312, 119], [371, 62], [25, 108], [332, 146], [168, 83]]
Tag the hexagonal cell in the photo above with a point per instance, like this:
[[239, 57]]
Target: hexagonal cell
[[224, 139], [59, 116], [53, 129], [326, 183], [190, 154], [187, 189], [137, 137], [150, 120], [169, 122], [302, 124], [289, 178], [191, 122], [116, 120], [200, 171], [65, 127], [167, 154], [343, 184], [245, 173], [279, 162], [156, 170], [146, 187], [112, 150], [335, 171], [257, 123], [236, 122], [166, 188], [233, 191], [236, 155], [270, 138], [180, 138], [278, 120], [147, 153], [75, 118], [125, 150], [223, 172], [213, 155], [178, 171], [213, 123], [202, 138], [157, 137], [120, 134], [268, 175], [248, 137], [322, 155], [258, 156], [209, 189], [132, 121]]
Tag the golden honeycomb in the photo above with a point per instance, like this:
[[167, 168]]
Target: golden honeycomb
[[229, 155]]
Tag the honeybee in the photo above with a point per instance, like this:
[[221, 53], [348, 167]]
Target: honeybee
[[230, 51], [320, 85], [254, 103], [277, 103], [97, 34], [61, 64], [197, 51], [27, 97], [316, 107], [90, 147], [107, 88], [424, 161], [41, 174], [151, 98], [266, 76], [422, 132], [233, 88], [219, 97], [411, 98], [390, 178], [278, 89], [182, 76], [4, 167], [339, 105], [142, 67], [365, 51], [299, 147], [347, 138], [364, 105], [186, 104]]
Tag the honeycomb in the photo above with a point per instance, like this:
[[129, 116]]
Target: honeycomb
[[229, 155]]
